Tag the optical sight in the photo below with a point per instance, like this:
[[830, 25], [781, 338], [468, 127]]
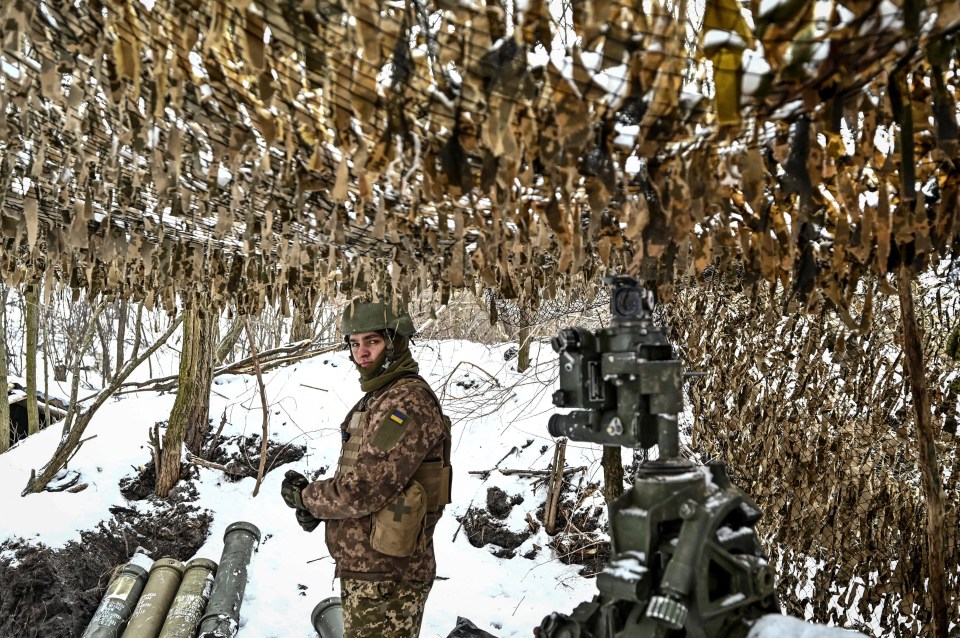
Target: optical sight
[[622, 381]]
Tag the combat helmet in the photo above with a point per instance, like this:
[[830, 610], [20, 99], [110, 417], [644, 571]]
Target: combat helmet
[[374, 316]]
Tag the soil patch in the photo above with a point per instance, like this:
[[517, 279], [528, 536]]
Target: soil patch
[[499, 503], [482, 529], [581, 539], [240, 456]]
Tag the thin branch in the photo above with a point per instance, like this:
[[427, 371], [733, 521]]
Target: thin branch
[[263, 402], [268, 360], [74, 407], [216, 437], [531, 473], [226, 469]]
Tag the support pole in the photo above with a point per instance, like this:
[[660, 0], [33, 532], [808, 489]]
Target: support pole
[[927, 458]]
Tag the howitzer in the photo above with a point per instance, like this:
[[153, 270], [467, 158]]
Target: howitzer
[[686, 560]]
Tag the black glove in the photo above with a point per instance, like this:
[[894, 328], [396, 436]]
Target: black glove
[[307, 520], [293, 484]]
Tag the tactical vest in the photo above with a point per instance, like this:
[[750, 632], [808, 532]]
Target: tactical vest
[[435, 476]]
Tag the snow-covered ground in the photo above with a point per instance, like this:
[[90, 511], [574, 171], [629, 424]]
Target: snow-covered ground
[[499, 416]]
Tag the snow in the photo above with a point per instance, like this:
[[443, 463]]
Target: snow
[[720, 38], [779, 626], [755, 69], [500, 421], [769, 6], [887, 17], [626, 138]]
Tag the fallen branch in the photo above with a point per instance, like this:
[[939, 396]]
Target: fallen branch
[[268, 360], [226, 469], [449, 377], [486, 473], [66, 485], [532, 473]]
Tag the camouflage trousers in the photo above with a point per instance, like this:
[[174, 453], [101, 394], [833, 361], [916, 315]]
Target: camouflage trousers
[[387, 608]]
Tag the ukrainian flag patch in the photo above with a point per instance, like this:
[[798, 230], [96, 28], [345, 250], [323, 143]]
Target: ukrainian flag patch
[[391, 429]]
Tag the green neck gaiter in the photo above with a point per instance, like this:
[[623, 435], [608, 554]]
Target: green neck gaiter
[[384, 372]]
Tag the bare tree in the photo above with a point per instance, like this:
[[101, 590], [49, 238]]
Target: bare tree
[[4, 397], [104, 329], [76, 422], [32, 301]]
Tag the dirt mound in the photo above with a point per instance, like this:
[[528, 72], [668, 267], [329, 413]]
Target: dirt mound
[[581, 538], [483, 529], [499, 504], [53, 593], [47, 593], [240, 456]]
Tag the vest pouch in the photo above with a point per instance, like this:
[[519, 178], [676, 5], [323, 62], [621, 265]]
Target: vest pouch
[[398, 527], [435, 478]]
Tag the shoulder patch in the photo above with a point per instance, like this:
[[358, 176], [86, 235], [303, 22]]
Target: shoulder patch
[[391, 430]]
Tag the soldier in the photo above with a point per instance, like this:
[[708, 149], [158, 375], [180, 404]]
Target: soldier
[[391, 483]]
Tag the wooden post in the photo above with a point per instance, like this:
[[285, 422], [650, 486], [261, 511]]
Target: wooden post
[[927, 457], [612, 472], [523, 354], [554, 488]]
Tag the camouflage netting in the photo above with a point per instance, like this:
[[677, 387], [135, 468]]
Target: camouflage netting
[[267, 151], [816, 422], [540, 311]]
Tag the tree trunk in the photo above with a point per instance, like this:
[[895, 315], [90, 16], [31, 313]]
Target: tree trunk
[[189, 418], [302, 327], [229, 340], [121, 332], [929, 466], [523, 354], [46, 373], [4, 397], [104, 336], [612, 472], [32, 301]]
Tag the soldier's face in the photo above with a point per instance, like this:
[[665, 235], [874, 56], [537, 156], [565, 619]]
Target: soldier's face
[[366, 347]]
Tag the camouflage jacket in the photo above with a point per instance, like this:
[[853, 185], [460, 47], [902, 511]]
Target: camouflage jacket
[[388, 456]]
